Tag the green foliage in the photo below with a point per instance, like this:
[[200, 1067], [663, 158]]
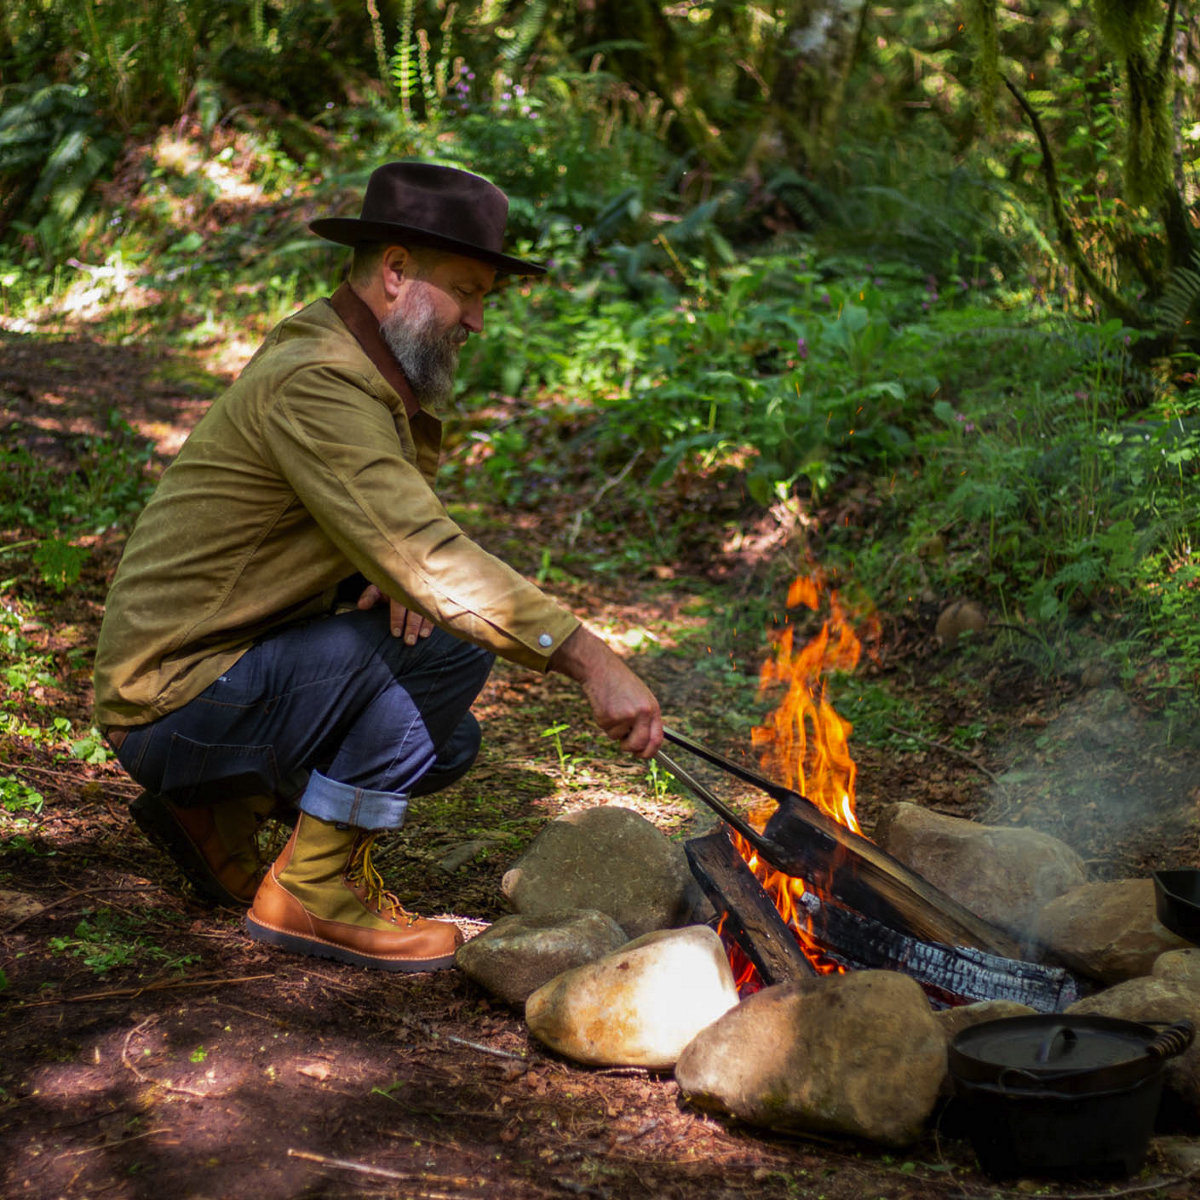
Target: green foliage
[[53, 148], [567, 763], [21, 805], [59, 563], [109, 486], [106, 939], [1124, 239], [802, 371], [885, 318]]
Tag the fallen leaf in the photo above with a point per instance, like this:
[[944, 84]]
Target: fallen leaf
[[317, 1070], [18, 905]]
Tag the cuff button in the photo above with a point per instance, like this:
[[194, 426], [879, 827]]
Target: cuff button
[[545, 640]]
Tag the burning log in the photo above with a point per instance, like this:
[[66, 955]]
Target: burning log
[[951, 973], [802, 842], [869, 880], [753, 921]]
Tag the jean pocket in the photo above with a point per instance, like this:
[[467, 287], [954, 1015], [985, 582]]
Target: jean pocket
[[201, 772]]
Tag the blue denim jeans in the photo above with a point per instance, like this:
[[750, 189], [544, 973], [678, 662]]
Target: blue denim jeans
[[335, 713]]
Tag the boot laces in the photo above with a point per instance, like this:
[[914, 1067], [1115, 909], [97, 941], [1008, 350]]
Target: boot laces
[[361, 873]]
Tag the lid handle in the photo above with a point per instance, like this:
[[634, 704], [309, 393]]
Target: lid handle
[[1173, 1040], [1058, 1041]]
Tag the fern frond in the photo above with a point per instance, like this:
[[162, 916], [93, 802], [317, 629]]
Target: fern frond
[[533, 17], [1179, 297]]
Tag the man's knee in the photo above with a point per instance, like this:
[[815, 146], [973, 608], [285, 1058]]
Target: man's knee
[[455, 757]]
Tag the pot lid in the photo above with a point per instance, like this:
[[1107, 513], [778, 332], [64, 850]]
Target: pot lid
[[1056, 1049]]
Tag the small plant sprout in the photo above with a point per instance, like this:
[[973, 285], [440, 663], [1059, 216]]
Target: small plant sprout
[[566, 762]]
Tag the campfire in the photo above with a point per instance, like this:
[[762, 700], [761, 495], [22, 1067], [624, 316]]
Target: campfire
[[805, 744], [801, 890]]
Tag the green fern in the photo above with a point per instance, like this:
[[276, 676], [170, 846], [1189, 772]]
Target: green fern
[[529, 25], [1178, 301], [53, 149], [403, 69]]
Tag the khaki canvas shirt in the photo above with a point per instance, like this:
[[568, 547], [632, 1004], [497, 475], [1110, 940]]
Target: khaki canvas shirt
[[315, 464]]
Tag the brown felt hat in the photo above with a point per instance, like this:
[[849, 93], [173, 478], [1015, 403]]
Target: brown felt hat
[[428, 205]]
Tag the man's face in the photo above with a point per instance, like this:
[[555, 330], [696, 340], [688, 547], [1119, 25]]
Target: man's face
[[430, 319]]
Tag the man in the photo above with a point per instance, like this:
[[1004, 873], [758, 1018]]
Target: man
[[295, 615]]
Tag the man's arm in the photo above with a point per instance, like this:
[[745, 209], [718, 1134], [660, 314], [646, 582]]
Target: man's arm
[[624, 707]]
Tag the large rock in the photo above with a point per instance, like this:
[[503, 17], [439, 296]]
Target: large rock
[[1179, 966], [953, 1021], [640, 1006], [1005, 875], [856, 1054], [1107, 931], [610, 859], [1152, 1000], [516, 955]]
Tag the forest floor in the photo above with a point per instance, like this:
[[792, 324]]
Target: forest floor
[[151, 1050]]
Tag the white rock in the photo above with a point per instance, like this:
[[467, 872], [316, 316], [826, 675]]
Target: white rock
[[639, 1006]]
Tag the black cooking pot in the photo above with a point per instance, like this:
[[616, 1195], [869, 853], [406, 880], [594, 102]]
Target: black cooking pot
[[1062, 1094], [1177, 902]]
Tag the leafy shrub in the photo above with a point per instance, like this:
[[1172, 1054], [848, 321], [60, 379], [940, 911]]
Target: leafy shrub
[[53, 148]]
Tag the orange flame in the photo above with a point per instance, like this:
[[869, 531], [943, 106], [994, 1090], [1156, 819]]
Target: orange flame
[[804, 744]]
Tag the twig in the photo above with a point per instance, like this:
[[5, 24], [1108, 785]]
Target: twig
[[132, 887], [916, 737], [346, 1164], [44, 908], [125, 1060], [126, 1138], [611, 482], [132, 993], [59, 774], [1133, 1190], [141, 1077], [447, 1037]]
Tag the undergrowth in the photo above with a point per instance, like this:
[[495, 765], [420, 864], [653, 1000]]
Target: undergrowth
[[989, 440]]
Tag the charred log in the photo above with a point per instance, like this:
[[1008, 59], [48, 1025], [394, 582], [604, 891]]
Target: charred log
[[752, 920], [953, 974]]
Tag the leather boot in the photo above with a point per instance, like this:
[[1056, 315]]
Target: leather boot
[[214, 845], [322, 896]]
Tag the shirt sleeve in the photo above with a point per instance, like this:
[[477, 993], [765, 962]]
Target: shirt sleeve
[[339, 449]]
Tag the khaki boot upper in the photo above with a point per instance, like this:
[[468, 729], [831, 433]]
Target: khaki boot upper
[[323, 889]]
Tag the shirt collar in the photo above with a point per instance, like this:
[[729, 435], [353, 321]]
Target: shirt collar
[[363, 323]]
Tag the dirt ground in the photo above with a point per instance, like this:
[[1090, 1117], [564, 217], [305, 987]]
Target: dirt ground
[[205, 1065]]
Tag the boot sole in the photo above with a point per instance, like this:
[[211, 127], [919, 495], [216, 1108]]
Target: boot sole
[[154, 819], [315, 947]]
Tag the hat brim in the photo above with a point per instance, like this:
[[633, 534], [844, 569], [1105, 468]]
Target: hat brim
[[352, 231]]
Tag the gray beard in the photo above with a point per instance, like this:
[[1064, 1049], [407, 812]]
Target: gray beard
[[428, 359]]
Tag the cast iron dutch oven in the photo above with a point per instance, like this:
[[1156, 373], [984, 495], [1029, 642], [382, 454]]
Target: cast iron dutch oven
[[1177, 902], [1062, 1094]]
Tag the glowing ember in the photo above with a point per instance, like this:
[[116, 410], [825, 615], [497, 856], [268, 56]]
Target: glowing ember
[[804, 744]]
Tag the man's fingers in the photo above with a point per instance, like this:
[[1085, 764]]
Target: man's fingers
[[371, 596], [408, 624], [644, 737]]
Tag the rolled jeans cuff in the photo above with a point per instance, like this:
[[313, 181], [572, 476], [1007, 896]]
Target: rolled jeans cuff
[[345, 804]]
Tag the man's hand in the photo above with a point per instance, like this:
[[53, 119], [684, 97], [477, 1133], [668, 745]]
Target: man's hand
[[624, 707], [405, 623]]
